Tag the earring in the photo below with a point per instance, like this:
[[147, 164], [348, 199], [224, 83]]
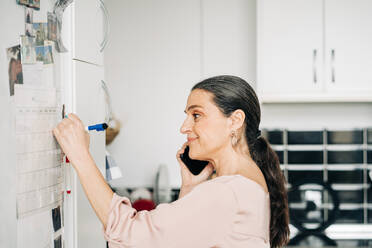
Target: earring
[[234, 138]]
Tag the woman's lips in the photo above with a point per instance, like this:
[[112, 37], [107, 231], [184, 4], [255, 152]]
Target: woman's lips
[[191, 139]]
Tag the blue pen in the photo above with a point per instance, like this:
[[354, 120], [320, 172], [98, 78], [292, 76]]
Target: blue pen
[[97, 127]]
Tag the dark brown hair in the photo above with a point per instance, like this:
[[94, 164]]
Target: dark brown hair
[[232, 93]]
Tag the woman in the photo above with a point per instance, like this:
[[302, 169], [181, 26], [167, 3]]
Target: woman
[[244, 206]]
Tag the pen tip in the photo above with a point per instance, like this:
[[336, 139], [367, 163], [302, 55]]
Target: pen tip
[[105, 126]]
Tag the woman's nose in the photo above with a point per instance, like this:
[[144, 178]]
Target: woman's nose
[[186, 126]]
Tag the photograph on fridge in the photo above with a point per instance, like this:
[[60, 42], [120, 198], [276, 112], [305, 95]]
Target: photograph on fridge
[[23, 2], [39, 53], [44, 54], [29, 13], [56, 218], [58, 242], [41, 32], [48, 55], [29, 30], [35, 4], [52, 26], [15, 67], [28, 54]]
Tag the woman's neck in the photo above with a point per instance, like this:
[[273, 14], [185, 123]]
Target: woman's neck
[[232, 161]]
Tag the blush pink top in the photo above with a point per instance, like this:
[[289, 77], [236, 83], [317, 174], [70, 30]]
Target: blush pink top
[[225, 212]]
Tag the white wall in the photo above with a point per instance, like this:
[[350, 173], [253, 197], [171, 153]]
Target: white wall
[[159, 49], [228, 38]]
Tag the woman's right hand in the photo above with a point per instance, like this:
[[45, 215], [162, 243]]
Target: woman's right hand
[[72, 138], [190, 180]]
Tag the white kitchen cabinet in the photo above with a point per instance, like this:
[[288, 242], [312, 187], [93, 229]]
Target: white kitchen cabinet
[[89, 105], [90, 30], [290, 46], [348, 47], [315, 50]]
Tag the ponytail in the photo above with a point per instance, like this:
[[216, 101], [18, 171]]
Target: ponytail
[[268, 162]]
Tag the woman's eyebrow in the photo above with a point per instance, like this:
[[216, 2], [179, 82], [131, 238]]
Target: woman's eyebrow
[[191, 107]]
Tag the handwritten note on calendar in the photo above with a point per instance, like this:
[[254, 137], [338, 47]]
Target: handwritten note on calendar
[[39, 158]]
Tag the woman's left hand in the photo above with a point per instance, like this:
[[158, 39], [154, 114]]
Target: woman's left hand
[[72, 137], [190, 180]]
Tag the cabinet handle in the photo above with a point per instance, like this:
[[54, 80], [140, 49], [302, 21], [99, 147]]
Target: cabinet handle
[[315, 78], [333, 65], [106, 25]]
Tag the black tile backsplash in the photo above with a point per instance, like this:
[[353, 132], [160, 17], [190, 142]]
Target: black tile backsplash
[[369, 157], [369, 136], [339, 162], [345, 177], [354, 216], [295, 176], [345, 137], [305, 157], [350, 196], [280, 156], [345, 157], [305, 138], [274, 137]]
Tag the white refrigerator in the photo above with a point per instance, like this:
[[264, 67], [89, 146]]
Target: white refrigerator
[[80, 73]]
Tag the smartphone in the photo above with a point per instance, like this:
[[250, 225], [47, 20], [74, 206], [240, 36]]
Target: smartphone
[[195, 166]]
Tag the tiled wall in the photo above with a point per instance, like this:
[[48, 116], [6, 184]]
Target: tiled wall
[[342, 158]]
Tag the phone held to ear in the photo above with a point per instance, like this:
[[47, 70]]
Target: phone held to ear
[[195, 166]]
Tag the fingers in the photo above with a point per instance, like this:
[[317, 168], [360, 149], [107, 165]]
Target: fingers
[[56, 132], [207, 171], [62, 126], [181, 151], [185, 172], [67, 126], [75, 119]]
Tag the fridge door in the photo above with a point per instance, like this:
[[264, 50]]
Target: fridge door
[[89, 105]]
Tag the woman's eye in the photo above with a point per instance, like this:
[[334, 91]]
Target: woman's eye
[[195, 116]]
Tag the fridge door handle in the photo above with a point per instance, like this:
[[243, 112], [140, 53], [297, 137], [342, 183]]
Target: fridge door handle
[[109, 114], [106, 26]]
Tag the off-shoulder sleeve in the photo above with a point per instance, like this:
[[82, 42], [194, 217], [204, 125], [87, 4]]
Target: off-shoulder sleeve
[[201, 218]]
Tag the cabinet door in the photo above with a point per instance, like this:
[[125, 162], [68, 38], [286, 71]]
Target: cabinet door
[[349, 46], [90, 107], [90, 26], [289, 47]]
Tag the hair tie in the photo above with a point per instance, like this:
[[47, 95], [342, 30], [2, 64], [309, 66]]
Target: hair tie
[[258, 134]]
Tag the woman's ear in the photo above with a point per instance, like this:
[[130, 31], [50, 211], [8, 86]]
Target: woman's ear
[[237, 119]]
